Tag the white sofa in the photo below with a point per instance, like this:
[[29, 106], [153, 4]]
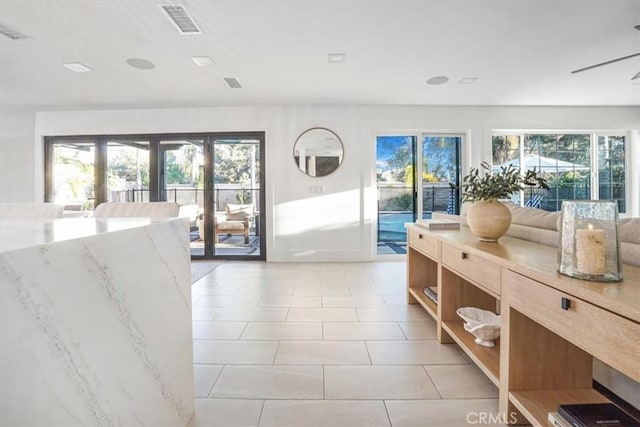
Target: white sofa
[[539, 226]]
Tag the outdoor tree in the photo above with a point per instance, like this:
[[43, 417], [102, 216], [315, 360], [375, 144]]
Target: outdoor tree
[[73, 173], [233, 163], [128, 167], [505, 148], [439, 156]]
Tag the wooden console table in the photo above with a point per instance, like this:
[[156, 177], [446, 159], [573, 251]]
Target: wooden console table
[[544, 356]]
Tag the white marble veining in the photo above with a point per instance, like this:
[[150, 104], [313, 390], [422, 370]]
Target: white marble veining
[[95, 323]]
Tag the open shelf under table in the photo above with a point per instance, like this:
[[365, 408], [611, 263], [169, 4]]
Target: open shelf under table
[[487, 358], [425, 301], [535, 405]]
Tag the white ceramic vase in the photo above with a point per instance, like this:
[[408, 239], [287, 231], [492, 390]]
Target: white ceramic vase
[[488, 219]]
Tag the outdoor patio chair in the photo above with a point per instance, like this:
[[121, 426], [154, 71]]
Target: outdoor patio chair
[[534, 201], [235, 220]]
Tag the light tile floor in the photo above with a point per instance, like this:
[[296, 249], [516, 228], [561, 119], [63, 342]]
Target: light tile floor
[[330, 344]]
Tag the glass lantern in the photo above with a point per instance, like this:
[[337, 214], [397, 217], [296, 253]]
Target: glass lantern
[[589, 243]]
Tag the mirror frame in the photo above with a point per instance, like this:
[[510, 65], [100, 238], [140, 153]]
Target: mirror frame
[[296, 158]]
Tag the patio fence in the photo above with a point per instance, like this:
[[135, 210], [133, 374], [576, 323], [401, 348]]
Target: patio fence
[[436, 197], [193, 196]]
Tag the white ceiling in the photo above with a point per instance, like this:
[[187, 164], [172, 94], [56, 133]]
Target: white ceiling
[[521, 51]]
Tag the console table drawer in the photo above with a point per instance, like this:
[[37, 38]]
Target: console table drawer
[[421, 241], [607, 336], [472, 266]]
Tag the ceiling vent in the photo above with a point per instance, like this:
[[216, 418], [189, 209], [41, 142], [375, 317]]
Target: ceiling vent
[[11, 33], [233, 82], [181, 19]]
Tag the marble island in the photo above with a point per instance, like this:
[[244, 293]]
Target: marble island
[[95, 322]]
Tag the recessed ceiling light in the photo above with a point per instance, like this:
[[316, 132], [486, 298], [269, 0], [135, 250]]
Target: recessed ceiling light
[[233, 82], [11, 33], [335, 58], [438, 80], [141, 64], [467, 80], [77, 67], [203, 61]]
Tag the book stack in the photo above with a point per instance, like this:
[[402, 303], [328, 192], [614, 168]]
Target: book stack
[[438, 224], [591, 415], [432, 293]]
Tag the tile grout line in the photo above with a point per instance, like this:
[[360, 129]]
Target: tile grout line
[[433, 383], [402, 331], [368, 354], [324, 387], [384, 403], [216, 380], [246, 325]]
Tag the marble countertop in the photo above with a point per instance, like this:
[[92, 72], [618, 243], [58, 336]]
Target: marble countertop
[[20, 234]]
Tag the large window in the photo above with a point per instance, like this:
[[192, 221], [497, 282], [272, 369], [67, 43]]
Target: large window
[[577, 166]]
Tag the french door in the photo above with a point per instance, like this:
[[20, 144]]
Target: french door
[[205, 173], [222, 174], [416, 176], [235, 198]]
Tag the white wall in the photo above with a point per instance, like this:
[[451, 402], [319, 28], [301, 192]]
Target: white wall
[[338, 225], [17, 158]]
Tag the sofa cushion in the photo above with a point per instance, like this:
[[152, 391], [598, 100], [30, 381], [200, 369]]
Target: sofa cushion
[[537, 218], [629, 230], [532, 234]]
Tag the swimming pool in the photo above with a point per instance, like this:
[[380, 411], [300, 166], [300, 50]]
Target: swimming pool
[[391, 225]]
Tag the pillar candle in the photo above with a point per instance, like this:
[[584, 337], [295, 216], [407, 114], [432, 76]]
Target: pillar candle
[[590, 251]]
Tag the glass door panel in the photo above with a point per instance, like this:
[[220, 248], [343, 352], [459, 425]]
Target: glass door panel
[[237, 197], [128, 171], [182, 182], [440, 174], [73, 174], [395, 165]]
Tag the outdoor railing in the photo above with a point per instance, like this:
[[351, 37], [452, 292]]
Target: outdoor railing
[[435, 198], [192, 196]]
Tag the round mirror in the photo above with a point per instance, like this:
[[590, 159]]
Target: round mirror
[[318, 151]]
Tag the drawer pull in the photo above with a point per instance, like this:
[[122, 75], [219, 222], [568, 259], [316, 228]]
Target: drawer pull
[[565, 303], [464, 255], [420, 236]]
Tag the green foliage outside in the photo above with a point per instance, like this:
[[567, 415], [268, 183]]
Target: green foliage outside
[[233, 163], [182, 166], [127, 165], [73, 173]]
